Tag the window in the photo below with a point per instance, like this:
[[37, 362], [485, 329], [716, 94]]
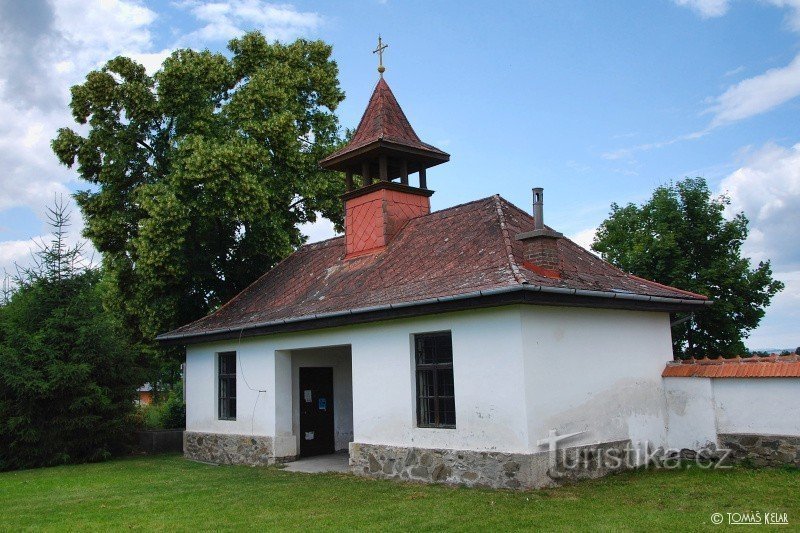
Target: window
[[227, 385], [436, 402]]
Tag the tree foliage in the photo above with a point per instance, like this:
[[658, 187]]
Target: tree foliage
[[680, 237], [202, 172], [67, 377]]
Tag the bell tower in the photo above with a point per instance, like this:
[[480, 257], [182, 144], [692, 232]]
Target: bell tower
[[384, 152]]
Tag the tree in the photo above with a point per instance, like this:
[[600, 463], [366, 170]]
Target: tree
[[202, 172], [67, 378], [680, 237]]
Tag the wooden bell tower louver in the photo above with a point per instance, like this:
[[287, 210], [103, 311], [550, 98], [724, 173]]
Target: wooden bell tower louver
[[384, 151], [384, 146]]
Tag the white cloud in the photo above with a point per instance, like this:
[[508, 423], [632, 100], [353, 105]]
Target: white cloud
[[747, 98], [224, 20], [14, 253], [584, 238], [46, 47], [758, 94], [735, 71], [151, 61], [716, 8], [706, 8], [793, 17], [767, 189], [627, 153], [778, 328], [318, 231]]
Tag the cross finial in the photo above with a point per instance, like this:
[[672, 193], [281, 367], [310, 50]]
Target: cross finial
[[379, 51]]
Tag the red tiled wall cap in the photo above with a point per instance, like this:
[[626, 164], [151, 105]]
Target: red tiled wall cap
[[773, 366]]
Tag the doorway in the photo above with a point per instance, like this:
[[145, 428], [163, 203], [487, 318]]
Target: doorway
[[316, 411]]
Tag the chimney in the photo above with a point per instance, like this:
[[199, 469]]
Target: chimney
[[538, 208], [541, 244]]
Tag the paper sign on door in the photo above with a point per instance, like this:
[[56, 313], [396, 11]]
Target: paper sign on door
[[307, 396], [309, 435], [322, 404]]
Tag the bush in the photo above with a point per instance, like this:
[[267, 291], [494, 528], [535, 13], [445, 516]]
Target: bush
[[169, 413]]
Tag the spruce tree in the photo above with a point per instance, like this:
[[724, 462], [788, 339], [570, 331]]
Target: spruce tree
[[67, 379]]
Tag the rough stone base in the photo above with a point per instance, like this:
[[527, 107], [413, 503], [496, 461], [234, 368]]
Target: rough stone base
[[762, 450], [220, 448], [486, 469]]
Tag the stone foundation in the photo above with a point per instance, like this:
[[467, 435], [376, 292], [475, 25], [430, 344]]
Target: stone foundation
[[487, 469], [226, 449], [762, 450]]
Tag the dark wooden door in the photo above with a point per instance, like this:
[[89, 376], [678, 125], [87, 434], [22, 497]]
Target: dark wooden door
[[316, 411]]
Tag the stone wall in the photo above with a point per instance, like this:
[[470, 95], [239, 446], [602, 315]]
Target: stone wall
[[762, 450], [485, 469], [221, 448]]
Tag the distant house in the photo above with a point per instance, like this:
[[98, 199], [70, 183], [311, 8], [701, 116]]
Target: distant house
[[440, 346], [144, 394]]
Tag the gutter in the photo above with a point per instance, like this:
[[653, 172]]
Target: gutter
[[444, 299]]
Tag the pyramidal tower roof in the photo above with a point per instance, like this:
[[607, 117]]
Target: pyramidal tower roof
[[384, 127]]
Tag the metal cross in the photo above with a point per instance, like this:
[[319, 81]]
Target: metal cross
[[379, 51]]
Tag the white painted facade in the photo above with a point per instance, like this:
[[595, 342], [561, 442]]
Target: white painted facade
[[698, 409], [519, 371], [596, 371]]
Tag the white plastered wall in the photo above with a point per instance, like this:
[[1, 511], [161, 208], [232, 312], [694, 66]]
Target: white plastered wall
[[488, 379], [691, 422], [767, 406], [700, 408], [519, 371], [595, 371]]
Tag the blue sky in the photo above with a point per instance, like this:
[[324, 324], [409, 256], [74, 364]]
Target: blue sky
[[598, 102]]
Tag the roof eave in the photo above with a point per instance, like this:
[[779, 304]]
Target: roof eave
[[337, 160], [515, 294]]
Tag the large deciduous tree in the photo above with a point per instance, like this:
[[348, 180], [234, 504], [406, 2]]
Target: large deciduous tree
[[681, 237], [202, 172]]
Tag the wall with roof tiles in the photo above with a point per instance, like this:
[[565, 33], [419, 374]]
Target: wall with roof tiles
[[371, 220]]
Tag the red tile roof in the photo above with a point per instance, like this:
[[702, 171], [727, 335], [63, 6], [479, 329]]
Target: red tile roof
[[463, 253], [383, 120], [774, 366]]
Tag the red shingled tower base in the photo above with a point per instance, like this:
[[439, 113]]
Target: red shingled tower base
[[372, 219]]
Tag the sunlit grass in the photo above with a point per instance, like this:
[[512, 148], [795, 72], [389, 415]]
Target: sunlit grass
[[171, 493]]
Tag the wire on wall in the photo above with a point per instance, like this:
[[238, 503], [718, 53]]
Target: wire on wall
[[247, 383]]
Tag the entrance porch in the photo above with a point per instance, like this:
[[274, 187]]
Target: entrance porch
[[313, 402]]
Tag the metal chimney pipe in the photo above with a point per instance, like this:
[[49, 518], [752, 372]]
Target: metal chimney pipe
[[538, 208]]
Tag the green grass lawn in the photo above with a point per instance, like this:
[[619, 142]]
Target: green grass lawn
[[171, 493]]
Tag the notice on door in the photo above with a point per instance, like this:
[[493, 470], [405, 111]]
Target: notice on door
[[322, 404], [307, 396]]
